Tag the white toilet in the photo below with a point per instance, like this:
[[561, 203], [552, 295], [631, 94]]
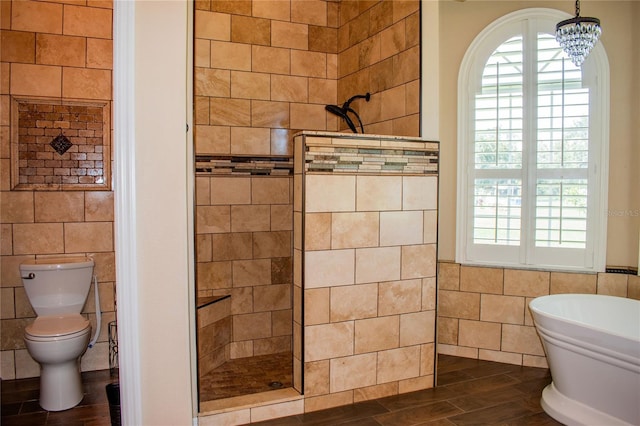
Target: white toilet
[[58, 289]]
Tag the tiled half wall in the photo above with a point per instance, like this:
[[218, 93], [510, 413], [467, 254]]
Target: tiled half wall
[[483, 312], [364, 272]]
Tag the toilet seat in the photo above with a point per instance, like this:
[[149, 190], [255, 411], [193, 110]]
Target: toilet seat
[[57, 327]]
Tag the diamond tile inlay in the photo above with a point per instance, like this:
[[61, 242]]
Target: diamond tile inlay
[[61, 144]]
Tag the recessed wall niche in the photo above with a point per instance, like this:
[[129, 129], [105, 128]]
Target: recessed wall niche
[[60, 144]]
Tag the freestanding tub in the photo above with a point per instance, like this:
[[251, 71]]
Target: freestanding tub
[[592, 344]]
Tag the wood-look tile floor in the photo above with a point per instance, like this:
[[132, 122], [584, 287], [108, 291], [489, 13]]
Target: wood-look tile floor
[[469, 392], [245, 376]]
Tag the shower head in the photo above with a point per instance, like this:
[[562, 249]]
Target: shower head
[[343, 112]]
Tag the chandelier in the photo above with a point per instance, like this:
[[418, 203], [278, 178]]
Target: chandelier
[[578, 35]]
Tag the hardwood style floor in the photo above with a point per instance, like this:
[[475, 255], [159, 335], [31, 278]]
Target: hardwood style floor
[[469, 392]]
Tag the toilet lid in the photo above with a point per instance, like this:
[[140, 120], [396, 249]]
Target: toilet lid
[[50, 326]]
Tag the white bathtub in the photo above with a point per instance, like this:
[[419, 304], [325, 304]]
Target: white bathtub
[[592, 344]]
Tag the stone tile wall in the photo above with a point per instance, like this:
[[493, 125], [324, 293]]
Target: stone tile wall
[[59, 50], [483, 312], [364, 280]]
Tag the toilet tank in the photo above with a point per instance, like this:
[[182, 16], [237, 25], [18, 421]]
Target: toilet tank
[[57, 286]]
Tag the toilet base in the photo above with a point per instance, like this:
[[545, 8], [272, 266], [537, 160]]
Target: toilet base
[[60, 385]]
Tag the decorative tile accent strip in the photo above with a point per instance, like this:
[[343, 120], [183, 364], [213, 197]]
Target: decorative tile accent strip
[[375, 154], [243, 166], [59, 143]]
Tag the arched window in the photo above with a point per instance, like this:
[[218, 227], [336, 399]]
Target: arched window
[[532, 149]]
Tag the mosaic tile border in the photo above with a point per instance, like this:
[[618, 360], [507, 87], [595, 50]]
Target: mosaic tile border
[[372, 154], [228, 165]]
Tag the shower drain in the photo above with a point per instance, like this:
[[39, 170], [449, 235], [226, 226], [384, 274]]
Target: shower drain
[[275, 385]]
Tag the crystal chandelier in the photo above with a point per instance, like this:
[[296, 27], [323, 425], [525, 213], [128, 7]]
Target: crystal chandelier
[[578, 35]]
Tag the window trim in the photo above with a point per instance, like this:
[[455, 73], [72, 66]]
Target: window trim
[[472, 66]]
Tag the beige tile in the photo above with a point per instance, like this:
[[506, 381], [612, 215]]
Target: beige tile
[[99, 53], [35, 16], [316, 306], [256, 272], [352, 230], [399, 297], [230, 190], [417, 328], [308, 116], [270, 114], [521, 339], [458, 351], [250, 141], [398, 364], [250, 218], [202, 53], [535, 361], [379, 193], [212, 25], [251, 326], [250, 85], [273, 9], [312, 12], [392, 40], [448, 276], [503, 357], [317, 231], [213, 219], [290, 35], [331, 400], [87, 21], [275, 411], [250, 30], [6, 242], [353, 302], [481, 280], [88, 237], [375, 392], [429, 291], [401, 228], [7, 306], [281, 142], [274, 190], [377, 264], [352, 372], [268, 59], [330, 193], [430, 224], [231, 56], [242, 7], [503, 309], [59, 206], [419, 193], [54, 49], [231, 246], [236, 417], [323, 91], [526, 283], [273, 297], [214, 275], [98, 206], [613, 284], [105, 266], [448, 330], [328, 341], [281, 322], [377, 334], [418, 261], [241, 299], [329, 268], [633, 289], [241, 349], [17, 207], [289, 88], [9, 270], [455, 304], [565, 282], [415, 384], [7, 365], [13, 332], [271, 244], [86, 83], [478, 334], [428, 360], [393, 103], [213, 139], [308, 64], [18, 46], [214, 82], [281, 218], [38, 238], [36, 80]]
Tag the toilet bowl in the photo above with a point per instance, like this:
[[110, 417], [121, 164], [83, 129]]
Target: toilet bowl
[[57, 289]]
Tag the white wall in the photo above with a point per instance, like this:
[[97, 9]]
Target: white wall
[[153, 212]]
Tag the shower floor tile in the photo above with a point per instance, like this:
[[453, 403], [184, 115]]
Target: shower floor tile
[[245, 376]]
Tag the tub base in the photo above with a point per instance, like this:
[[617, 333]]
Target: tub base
[[571, 412]]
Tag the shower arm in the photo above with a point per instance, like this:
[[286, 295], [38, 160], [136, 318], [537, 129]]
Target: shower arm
[[343, 112]]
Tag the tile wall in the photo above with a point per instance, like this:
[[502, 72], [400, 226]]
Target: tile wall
[[364, 276], [243, 249], [483, 312], [59, 50]]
